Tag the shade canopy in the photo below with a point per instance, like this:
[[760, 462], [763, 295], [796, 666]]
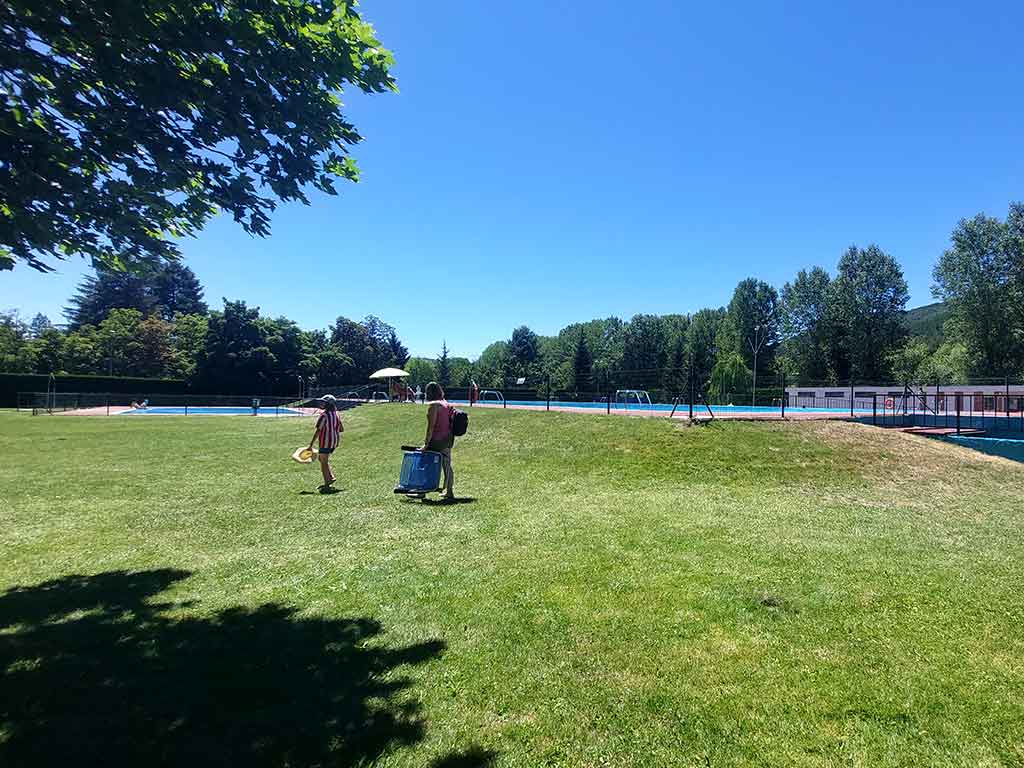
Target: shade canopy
[[389, 373]]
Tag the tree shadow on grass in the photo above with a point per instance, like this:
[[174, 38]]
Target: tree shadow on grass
[[474, 757], [95, 672]]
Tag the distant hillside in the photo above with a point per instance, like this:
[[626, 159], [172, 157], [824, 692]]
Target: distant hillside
[[928, 321]]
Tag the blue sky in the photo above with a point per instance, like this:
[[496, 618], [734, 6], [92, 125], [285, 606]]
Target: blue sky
[[552, 162]]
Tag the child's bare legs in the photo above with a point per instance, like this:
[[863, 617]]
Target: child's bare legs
[[325, 468]]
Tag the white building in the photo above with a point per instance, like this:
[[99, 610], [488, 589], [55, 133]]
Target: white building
[[982, 398]]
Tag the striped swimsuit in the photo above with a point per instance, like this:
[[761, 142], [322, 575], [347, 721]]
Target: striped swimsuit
[[328, 429]]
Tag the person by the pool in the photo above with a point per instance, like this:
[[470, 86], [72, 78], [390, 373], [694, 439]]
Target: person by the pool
[[474, 392], [439, 434]]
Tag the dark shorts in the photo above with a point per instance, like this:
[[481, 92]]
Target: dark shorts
[[444, 445], [327, 451]]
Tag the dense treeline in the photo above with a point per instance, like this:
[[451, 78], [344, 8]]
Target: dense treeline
[[156, 325], [819, 328], [822, 326]]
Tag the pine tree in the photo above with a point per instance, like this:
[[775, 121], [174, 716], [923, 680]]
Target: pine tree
[[171, 289], [582, 365], [107, 290], [676, 375], [444, 373], [40, 323], [176, 289], [398, 351]]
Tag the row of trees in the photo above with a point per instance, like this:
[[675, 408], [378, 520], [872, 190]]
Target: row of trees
[[850, 326], [156, 324], [819, 328]]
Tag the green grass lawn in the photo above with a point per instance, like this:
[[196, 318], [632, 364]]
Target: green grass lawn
[[619, 592]]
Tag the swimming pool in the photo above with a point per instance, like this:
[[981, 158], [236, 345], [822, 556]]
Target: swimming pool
[[663, 407], [208, 410], [993, 446]]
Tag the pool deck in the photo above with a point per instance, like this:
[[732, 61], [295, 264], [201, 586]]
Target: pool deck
[[120, 410], [682, 413]]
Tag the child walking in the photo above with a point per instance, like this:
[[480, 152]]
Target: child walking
[[328, 432]]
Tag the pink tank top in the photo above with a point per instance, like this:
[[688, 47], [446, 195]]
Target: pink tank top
[[443, 422]]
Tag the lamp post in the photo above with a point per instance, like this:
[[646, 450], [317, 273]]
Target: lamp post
[[755, 346]]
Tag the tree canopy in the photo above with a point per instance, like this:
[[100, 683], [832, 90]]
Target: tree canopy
[[124, 126], [868, 299], [981, 278], [582, 364], [803, 323], [754, 320]]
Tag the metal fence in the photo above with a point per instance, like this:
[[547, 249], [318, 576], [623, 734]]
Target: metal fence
[[114, 402], [657, 389], [367, 393], [992, 405], [995, 406], [959, 412]]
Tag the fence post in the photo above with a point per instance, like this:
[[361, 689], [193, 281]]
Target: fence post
[[958, 413], [1006, 380], [107, 399], [851, 397], [607, 396], [874, 409], [549, 393], [783, 399], [690, 398]]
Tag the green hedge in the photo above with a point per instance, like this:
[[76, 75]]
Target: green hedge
[[13, 383]]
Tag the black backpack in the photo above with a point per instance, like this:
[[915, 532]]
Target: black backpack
[[460, 422]]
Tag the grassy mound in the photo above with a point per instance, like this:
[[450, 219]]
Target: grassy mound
[[614, 591]]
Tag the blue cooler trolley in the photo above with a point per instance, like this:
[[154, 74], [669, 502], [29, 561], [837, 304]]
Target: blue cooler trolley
[[421, 472]]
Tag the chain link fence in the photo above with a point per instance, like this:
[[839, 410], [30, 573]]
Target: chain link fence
[[990, 405], [113, 403]]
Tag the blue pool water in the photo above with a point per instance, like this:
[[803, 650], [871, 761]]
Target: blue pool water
[[667, 407], [993, 446], [207, 410]]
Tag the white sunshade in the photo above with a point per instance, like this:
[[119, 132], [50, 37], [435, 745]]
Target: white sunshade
[[389, 373]]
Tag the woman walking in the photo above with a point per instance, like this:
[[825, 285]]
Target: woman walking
[[439, 434]]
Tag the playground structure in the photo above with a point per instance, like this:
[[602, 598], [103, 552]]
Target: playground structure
[[628, 397], [490, 396]]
